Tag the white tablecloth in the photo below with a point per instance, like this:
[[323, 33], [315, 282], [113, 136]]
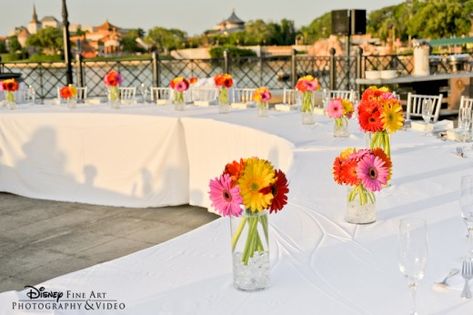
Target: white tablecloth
[[320, 264]]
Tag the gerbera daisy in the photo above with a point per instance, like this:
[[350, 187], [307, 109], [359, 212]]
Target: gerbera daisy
[[258, 174], [372, 172], [370, 122], [387, 161], [279, 190], [349, 172], [392, 116], [347, 108], [335, 109], [225, 197], [234, 169]]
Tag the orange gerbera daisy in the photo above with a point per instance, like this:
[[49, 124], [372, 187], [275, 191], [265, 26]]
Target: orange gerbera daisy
[[235, 169]]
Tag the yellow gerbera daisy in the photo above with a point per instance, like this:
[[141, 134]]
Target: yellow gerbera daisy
[[347, 107], [258, 174], [392, 116], [347, 152]]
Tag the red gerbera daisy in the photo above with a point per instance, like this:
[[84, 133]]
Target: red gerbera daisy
[[349, 172], [279, 190], [370, 119]]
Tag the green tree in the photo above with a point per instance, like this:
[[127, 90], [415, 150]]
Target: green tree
[[166, 39], [257, 32], [13, 44], [317, 29], [3, 47], [49, 40], [129, 43]]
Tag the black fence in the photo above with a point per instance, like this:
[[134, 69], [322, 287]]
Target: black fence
[[334, 72]]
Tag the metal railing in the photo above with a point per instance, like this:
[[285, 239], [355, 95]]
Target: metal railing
[[333, 72]]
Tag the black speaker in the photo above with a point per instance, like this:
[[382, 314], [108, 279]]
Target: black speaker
[[348, 22], [358, 22], [340, 22]]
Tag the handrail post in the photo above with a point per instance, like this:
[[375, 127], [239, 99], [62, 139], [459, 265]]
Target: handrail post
[[359, 67], [226, 61], [333, 70], [80, 71], [293, 68], [155, 68]]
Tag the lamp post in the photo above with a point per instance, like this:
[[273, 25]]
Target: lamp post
[[67, 43]]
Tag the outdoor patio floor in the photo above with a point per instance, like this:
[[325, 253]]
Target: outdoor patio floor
[[41, 239]]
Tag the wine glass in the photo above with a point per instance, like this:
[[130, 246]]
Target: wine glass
[[413, 251], [143, 91], [464, 123], [427, 111], [466, 206]]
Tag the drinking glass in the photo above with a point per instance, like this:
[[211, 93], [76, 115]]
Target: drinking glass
[[427, 110], [466, 206], [143, 91], [413, 251]]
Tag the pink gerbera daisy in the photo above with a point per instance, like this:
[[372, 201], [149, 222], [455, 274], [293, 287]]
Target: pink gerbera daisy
[[372, 172], [182, 86], [335, 109], [225, 198]]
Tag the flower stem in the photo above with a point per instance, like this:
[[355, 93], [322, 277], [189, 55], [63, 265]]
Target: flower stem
[[237, 234]]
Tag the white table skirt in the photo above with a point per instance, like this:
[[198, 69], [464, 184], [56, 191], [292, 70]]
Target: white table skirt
[[320, 264]]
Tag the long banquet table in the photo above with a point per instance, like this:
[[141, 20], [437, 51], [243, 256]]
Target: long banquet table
[[319, 263]]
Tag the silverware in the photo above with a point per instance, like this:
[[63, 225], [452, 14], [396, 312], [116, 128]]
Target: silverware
[[452, 273], [467, 274], [460, 152]]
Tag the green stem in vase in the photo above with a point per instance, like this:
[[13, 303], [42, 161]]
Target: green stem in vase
[[223, 96], [237, 234]]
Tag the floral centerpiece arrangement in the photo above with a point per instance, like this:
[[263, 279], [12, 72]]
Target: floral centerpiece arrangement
[[307, 85], [10, 86], [193, 80], [68, 92], [112, 80], [341, 110], [262, 96], [380, 114], [179, 85], [365, 171], [223, 82], [245, 191]]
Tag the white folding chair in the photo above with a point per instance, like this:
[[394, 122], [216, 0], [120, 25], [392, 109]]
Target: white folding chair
[[415, 102], [344, 94], [242, 98], [81, 93], [466, 106], [289, 96], [160, 95], [26, 95], [127, 94], [201, 96]]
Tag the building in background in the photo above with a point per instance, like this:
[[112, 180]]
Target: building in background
[[230, 25]]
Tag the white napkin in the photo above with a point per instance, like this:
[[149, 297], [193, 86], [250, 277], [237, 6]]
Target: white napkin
[[162, 102], [432, 127], [284, 107], [319, 111], [93, 101], [458, 135], [241, 105], [204, 103]]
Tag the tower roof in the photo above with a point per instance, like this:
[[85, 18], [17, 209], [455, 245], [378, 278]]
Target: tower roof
[[234, 19], [35, 16]]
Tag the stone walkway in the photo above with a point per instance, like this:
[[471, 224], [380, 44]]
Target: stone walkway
[[40, 239]]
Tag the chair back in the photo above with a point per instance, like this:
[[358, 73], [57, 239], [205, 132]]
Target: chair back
[[160, 94], [242, 95], [81, 93], [415, 102], [289, 96], [127, 94], [344, 94], [203, 94], [466, 106]]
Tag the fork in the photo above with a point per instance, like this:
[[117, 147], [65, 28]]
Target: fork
[[467, 274], [460, 152]]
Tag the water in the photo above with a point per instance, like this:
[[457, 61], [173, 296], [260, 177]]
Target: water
[[360, 214], [255, 275]]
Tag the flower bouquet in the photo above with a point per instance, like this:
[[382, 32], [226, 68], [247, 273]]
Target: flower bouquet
[[179, 86], [10, 86], [245, 191], [365, 171], [112, 80], [340, 110], [193, 80], [223, 82], [380, 114], [67, 93], [262, 96], [307, 85]]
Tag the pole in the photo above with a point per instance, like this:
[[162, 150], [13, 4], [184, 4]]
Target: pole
[[80, 71], [348, 46], [67, 43], [333, 70], [155, 68], [293, 68]]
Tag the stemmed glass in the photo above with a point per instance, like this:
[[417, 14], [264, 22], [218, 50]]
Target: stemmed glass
[[143, 91], [464, 123], [413, 251], [466, 206], [427, 108]]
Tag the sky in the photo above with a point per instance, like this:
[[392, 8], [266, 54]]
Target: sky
[[193, 16]]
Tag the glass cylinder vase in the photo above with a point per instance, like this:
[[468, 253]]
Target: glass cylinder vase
[[340, 127], [379, 140], [223, 101], [10, 99], [114, 97], [361, 206], [262, 109], [178, 101], [307, 109], [250, 251]]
